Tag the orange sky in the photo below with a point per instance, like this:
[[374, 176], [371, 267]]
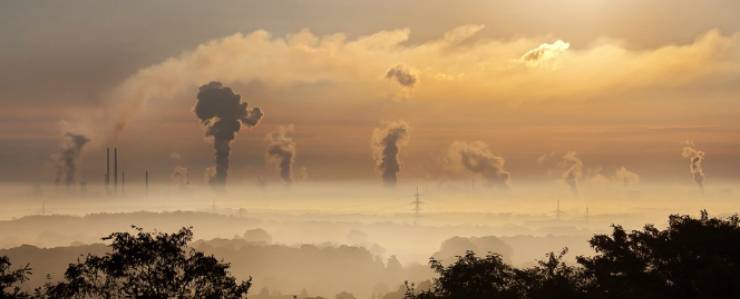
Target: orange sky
[[524, 79]]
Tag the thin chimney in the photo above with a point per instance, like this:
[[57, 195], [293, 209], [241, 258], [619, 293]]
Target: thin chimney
[[107, 167], [146, 181], [115, 168]]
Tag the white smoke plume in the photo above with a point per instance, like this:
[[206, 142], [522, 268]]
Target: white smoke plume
[[573, 167], [626, 177], [696, 160]]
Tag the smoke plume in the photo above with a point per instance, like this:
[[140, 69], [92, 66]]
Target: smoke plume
[[478, 159], [181, 175], [223, 113], [626, 177], [401, 75], [573, 170], [281, 147], [386, 145], [67, 158], [696, 158]]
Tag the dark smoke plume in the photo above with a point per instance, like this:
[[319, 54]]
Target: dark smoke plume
[[478, 159], [67, 157], [386, 145], [223, 113], [401, 75], [281, 147], [696, 159], [573, 170]]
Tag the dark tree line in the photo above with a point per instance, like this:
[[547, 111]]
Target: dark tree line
[[140, 265], [691, 258]]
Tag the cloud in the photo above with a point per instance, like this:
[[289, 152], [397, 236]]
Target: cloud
[[483, 70], [545, 52], [401, 75]]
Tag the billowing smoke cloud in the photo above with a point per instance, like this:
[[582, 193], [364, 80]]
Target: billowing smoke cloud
[[573, 170], [67, 158], [386, 144], [626, 177], [477, 158], [696, 158], [281, 147], [401, 75], [223, 113]]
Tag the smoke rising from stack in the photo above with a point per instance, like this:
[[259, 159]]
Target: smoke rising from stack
[[696, 159], [386, 143], [626, 177], [573, 170], [180, 174], [281, 147], [223, 113], [68, 156], [478, 159]]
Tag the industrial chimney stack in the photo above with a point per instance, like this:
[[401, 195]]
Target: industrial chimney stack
[[115, 169]]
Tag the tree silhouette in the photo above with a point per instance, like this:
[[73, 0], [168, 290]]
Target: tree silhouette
[[691, 258], [11, 280], [146, 265]]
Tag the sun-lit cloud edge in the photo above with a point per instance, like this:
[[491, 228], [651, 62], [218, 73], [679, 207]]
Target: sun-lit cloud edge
[[448, 68]]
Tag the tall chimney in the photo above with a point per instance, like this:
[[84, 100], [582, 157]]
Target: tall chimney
[[123, 181], [107, 167], [115, 168], [146, 181]]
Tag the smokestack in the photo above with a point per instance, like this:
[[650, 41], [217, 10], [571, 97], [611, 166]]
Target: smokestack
[[223, 113], [386, 145], [123, 181], [107, 167], [146, 181], [115, 168]]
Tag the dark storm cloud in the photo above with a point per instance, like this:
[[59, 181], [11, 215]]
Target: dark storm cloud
[[386, 144], [67, 159], [223, 113], [281, 147]]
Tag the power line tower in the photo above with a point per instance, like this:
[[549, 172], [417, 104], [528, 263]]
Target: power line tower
[[417, 204]]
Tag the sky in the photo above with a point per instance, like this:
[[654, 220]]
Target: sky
[[620, 83]]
